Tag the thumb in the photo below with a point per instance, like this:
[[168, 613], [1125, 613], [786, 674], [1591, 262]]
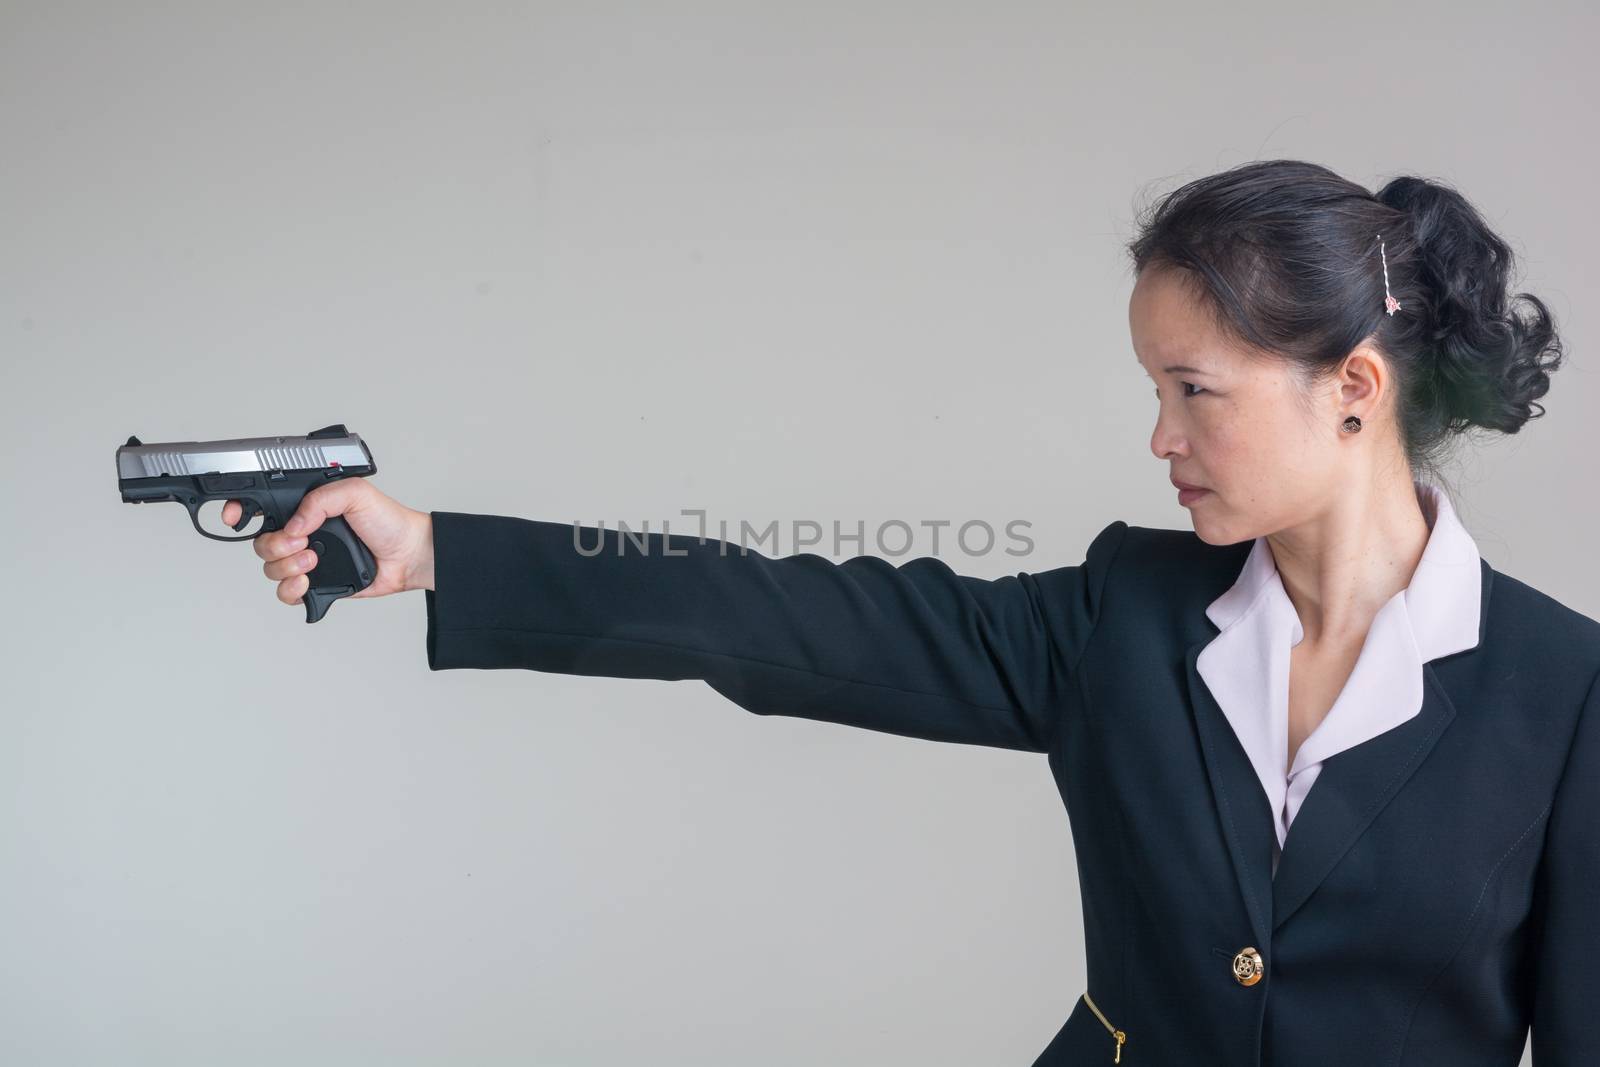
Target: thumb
[[335, 498]]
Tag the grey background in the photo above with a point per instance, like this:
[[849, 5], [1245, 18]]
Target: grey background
[[598, 262]]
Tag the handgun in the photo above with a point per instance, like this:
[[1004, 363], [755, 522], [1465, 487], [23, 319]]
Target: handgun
[[268, 476]]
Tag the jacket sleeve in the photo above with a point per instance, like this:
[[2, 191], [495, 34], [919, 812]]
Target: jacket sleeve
[[1565, 964], [912, 649]]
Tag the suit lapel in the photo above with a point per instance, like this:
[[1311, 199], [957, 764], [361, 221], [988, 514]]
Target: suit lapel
[[1242, 807], [1350, 790], [1354, 785]]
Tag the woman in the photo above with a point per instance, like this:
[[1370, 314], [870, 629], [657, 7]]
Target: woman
[[1333, 780]]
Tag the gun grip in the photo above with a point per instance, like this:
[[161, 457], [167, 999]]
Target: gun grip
[[344, 567]]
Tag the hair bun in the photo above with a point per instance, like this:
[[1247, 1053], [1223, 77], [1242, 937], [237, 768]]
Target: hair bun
[[1493, 355]]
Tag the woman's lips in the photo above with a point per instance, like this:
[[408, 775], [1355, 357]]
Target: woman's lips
[[1189, 496]]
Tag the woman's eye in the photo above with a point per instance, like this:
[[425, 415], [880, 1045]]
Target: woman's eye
[[1197, 389]]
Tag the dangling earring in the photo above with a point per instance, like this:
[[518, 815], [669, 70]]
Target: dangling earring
[[1351, 424]]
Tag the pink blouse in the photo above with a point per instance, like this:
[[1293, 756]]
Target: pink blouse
[[1246, 666]]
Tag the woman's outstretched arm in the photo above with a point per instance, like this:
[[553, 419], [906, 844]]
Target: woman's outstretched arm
[[913, 649]]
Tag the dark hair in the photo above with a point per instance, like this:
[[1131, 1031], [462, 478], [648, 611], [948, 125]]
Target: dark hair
[[1285, 256]]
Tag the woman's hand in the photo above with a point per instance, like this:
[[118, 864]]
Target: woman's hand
[[399, 538]]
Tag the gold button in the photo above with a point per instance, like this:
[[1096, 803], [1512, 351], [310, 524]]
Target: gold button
[[1247, 966]]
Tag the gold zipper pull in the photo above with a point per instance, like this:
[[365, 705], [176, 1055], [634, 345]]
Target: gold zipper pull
[[1118, 1034]]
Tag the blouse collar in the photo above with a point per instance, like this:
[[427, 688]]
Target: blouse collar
[[1246, 665]]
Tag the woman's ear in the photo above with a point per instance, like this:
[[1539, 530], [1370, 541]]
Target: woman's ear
[[1363, 382]]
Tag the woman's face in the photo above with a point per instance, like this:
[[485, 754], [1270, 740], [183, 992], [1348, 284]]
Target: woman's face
[[1236, 426]]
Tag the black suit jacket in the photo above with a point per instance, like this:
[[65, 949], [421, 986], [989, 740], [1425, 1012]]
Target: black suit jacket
[[1440, 889]]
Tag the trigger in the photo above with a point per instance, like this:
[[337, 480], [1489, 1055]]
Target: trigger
[[246, 513]]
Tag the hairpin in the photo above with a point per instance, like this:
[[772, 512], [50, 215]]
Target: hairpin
[[1389, 302]]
